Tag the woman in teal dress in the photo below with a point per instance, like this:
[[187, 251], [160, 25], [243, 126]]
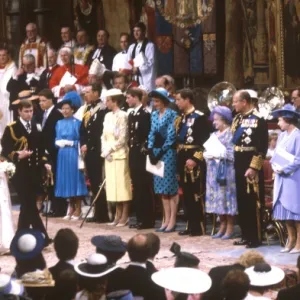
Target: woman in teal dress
[[70, 181], [161, 145]]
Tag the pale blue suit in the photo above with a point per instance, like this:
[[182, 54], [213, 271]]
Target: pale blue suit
[[286, 200]]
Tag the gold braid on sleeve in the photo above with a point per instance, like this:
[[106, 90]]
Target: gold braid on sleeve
[[177, 123], [198, 155], [257, 162]]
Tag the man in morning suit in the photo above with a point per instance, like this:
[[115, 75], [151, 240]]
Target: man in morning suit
[[22, 144], [136, 277], [138, 131], [90, 141], [51, 115], [250, 137], [192, 131]]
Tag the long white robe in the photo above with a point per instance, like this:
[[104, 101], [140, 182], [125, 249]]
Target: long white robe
[[148, 69], [5, 75]]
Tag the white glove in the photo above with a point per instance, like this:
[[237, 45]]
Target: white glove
[[276, 169], [106, 153], [69, 143], [60, 143], [207, 155], [109, 158]]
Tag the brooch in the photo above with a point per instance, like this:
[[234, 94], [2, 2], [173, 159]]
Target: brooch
[[249, 131], [190, 131], [247, 140], [190, 139]]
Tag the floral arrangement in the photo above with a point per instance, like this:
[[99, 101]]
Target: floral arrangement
[[8, 168]]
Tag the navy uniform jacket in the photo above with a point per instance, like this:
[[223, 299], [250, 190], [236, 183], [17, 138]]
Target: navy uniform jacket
[[250, 137], [193, 130]]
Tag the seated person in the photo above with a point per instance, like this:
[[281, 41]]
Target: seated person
[[154, 246], [113, 248]]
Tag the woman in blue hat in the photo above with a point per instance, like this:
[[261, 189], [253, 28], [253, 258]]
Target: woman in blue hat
[[70, 181], [161, 145], [221, 198], [286, 165]]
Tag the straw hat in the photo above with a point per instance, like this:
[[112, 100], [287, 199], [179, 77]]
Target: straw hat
[[113, 92], [287, 111], [183, 280], [109, 243], [264, 275], [161, 93], [25, 95], [95, 266]]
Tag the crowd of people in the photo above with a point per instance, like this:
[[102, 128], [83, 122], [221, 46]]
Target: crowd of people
[[102, 276], [86, 116]]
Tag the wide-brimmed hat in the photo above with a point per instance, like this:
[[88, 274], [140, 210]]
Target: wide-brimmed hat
[[71, 97], [223, 111], [113, 92], [161, 93], [95, 266], [183, 280], [109, 243], [264, 275], [26, 244], [287, 111], [8, 286], [25, 95]]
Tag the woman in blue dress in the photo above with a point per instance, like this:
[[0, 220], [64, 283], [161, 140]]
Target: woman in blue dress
[[70, 181], [221, 199], [161, 145], [286, 199]]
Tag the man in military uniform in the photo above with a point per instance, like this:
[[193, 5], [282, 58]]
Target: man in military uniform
[[250, 137], [90, 141], [22, 144], [192, 131], [139, 127]]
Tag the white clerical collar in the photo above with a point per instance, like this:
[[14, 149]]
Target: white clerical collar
[[137, 109], [142, 265]]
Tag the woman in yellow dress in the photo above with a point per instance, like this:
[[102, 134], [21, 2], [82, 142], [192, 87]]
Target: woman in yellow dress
[[115, 151]]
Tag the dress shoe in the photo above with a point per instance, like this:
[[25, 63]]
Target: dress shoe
[[241, 242], [91, 220], [295, 251], [122, 224], [195, 233], [251, 245], [75, 218], [67, 217], [161, 229], [184, 232], [218, 235], [228, 236], [114, 223], [285, 250], [49, 214], [144, 226], [134, 226], [171, 229]]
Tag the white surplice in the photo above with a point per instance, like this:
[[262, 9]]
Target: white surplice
[[5, 75]]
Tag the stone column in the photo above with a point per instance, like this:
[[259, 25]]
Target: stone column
[[40, 11], [233, 71]]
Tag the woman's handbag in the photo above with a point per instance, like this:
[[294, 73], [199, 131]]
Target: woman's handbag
[[221, 172]]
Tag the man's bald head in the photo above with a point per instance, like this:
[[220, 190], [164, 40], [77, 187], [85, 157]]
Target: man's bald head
[[31, 32], [138, 249]]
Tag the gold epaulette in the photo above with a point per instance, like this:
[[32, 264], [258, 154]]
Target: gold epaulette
[[198, 155], [12, 123], [177, 123], [256, 113], [198, 112], [257, 162]]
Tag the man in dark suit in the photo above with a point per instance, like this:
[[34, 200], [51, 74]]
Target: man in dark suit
[[90, 141], [105, 54], [292, 293], [26, 78], [139, 127], [135, 277], [154, 247], [48, 122], [22, 144], [66, 245]]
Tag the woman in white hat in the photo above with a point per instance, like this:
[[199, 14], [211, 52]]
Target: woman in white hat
[[115, 151], [182, 283], [262, 276]]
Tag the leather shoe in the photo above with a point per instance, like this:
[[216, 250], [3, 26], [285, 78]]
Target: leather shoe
[[241, 242], [144, 226], [251, 245], [133, 226], [91, 220], [184, 232], [195, 233]]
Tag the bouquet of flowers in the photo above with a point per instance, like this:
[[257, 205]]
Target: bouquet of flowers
[[8, 168]]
